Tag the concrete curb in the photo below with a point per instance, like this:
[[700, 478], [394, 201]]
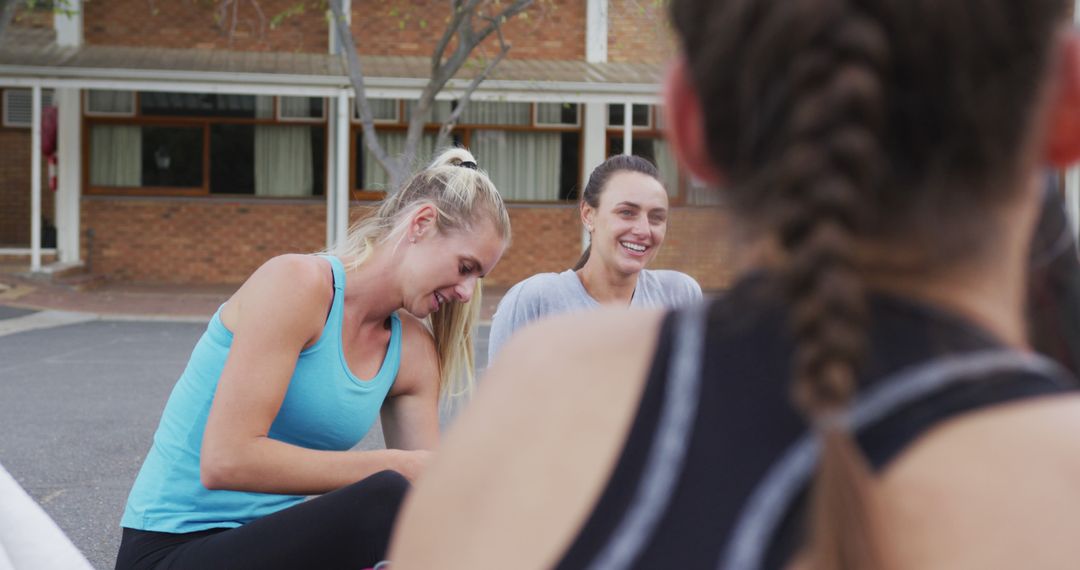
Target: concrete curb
[[50, 319]]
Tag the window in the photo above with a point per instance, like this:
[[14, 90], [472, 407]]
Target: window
[[18, 106], [439, 112], [557, 114], [172, 156], [526, 163], [163, 104], [496, 113], [640, 116], [301, 108], [382, 110], [101, 102], [202, 143]]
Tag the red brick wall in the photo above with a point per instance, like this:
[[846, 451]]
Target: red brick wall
[[192, 24], [15, 188], [194, 240], [545, 238], [211, 241], [553, 29], [40, 17], [639, 32], [696, 244]]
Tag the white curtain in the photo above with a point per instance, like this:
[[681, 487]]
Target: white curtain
[[393, 142], [264, 107], [665, 163], [115, 155], [496, 113], [523, 165], [283, 161]]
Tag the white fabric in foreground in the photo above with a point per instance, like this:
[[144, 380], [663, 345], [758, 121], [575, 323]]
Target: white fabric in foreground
[[29, 539]]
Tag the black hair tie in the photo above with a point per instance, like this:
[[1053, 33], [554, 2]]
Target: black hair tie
[[468, 164]]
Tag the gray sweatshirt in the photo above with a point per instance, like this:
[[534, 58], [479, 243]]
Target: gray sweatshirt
[[547, 294]]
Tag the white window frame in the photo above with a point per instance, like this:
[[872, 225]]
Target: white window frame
[[89, 113], [536, 118], [282, 119], [647, 127], [395, 121], [46, 101]]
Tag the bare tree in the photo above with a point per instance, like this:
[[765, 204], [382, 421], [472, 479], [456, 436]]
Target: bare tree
[[470, 23]]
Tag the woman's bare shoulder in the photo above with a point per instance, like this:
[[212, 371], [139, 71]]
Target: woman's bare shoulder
[[996, 488], [536, 445], [290, 283]]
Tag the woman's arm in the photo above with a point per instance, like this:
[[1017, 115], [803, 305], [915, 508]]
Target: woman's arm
[[523, 465], [275, 314], [410, 415]]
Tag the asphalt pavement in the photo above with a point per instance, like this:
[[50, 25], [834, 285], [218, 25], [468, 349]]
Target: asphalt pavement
[[79, 400]]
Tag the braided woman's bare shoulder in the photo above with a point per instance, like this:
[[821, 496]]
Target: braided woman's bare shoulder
[[535, 446]]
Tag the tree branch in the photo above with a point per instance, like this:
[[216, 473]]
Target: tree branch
[[394, 169], [496, 21], [456, 19], [466, 96]]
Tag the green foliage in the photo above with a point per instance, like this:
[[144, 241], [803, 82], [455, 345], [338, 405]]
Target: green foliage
[[61, 7], [295, 10]]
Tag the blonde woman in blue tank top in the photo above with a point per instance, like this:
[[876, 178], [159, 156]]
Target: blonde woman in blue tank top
[[292, 372]]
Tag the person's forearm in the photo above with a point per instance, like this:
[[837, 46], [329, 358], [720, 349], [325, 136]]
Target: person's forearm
[[270, 466]]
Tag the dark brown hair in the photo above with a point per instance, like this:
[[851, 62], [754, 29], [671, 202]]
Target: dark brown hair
[[598, 183], [837, 121]]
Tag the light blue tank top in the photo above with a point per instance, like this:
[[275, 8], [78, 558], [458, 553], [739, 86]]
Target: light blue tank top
[[326, 407]]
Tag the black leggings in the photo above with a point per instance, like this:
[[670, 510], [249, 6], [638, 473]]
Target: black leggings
[[346, 528]]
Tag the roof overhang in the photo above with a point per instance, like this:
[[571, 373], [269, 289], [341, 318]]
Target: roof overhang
[[28, 60]]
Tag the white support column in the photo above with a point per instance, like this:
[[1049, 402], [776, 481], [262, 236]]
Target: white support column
[[35, 180], [596, 31], [594, 130], [594, 127], [341, 212], [628, 130], [330, 191], [68, 23], [68, 178]]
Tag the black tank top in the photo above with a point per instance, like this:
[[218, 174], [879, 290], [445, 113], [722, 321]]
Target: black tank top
[[714, 470]]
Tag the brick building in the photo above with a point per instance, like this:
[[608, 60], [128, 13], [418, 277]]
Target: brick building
[[191, 145]]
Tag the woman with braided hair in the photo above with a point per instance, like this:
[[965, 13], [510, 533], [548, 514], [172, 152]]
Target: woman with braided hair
[[295, 368], [864, 396]]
